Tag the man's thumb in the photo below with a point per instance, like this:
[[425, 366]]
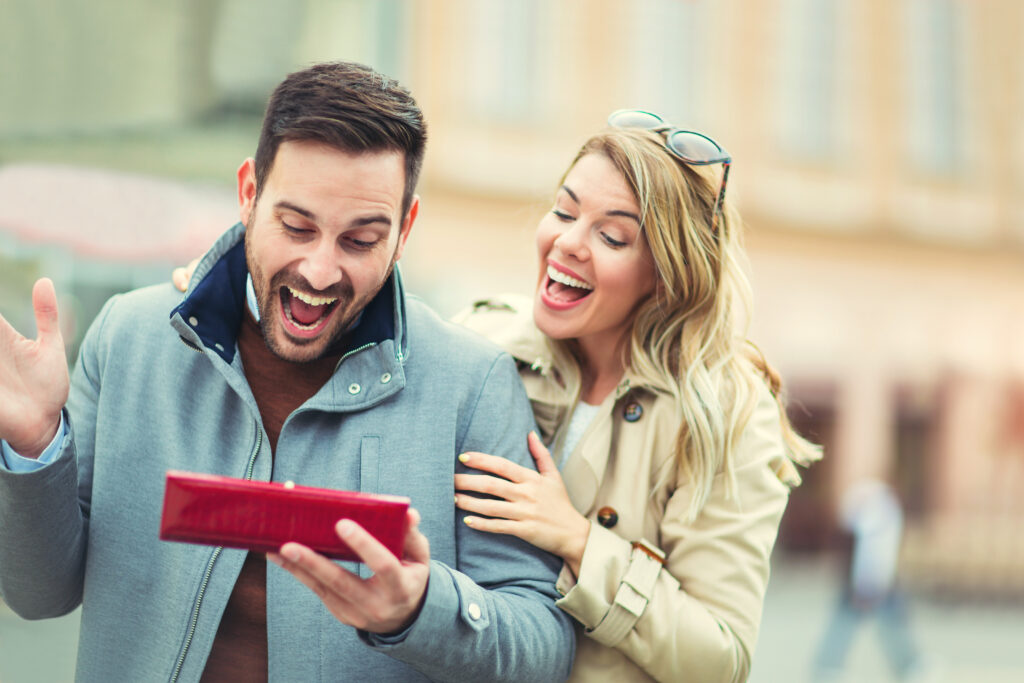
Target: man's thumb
[[44, 303]]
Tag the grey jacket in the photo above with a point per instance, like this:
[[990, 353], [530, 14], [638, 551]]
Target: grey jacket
[[147, 397]]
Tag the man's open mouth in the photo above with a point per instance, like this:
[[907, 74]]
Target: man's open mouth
[[306, 312], [563, 288]]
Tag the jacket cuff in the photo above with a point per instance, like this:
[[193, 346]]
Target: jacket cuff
[[446, 607], [616, 582]]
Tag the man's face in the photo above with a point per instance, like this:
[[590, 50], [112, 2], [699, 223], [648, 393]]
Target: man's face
[[321, 241]]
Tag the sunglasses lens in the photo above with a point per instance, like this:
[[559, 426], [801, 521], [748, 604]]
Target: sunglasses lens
[[694, 148], [634, 118]]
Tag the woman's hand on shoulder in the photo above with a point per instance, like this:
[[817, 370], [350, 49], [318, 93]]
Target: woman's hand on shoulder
[[533, 505], [182, 275]]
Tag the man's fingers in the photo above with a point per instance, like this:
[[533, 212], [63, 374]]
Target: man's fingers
[[44, 303], [417, 547], [371, 551], [316, 571]]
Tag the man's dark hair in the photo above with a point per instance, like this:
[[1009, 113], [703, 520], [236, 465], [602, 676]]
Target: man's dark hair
[[347, 106]]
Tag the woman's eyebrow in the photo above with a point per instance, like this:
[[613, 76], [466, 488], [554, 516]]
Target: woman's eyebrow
[[627, 214], [571, 194], [612, 212]]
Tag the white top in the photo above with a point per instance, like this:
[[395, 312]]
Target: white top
[[582, 415]]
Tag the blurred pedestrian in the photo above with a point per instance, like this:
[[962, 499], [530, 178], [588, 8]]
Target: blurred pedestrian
[[871, 519]]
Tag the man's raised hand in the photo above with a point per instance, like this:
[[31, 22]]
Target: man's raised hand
[[33, 377]]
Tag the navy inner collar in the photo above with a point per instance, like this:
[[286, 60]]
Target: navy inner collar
[[215, 308]]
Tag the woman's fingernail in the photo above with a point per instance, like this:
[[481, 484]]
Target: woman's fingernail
[[292, 554], [464, 458], [469, 521]]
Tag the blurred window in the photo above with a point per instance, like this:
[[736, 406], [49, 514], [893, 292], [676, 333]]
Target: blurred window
[[810, 74], [258, 42], [672, 60], [507, 63], [934, 84]]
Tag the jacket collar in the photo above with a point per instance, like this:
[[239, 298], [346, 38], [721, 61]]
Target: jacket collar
[[524, 342], [215, 302]]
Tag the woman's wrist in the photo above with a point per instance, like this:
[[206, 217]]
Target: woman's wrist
[[573, 554]]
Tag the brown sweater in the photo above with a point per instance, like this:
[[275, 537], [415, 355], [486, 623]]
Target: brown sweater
[[239, 651]]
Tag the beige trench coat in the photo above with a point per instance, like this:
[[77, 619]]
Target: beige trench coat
[[696, 618]]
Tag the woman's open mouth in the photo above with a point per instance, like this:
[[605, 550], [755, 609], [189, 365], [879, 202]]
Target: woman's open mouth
[[561, 291], [306, 315]]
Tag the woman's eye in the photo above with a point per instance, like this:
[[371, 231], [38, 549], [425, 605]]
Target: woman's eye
[[611, 241], [562, 215]]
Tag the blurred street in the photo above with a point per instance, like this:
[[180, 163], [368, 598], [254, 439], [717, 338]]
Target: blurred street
[[964, 642]]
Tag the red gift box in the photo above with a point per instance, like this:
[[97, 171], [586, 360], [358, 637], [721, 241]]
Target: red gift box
[[262, 516]]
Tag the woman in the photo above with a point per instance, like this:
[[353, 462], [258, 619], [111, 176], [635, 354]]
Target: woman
[[673, 454]]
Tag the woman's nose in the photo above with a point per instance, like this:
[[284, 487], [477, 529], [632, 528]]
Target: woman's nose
[[573, 241]]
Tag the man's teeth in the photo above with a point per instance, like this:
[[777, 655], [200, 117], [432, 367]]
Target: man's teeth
[[559, 276], [312, 300]]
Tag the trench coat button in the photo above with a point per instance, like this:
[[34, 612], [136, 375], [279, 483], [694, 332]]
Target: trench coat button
[[607, 517], [633, 412], [385, 378], [193, 321], [474, 611], [353, 388]]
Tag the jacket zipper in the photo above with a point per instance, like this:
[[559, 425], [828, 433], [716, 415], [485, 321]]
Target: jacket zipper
[[209, 570]]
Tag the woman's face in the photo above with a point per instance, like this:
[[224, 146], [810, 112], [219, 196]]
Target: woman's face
[[595, 265]]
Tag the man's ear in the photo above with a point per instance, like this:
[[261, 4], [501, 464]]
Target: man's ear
[[410, 218], [246, 190]]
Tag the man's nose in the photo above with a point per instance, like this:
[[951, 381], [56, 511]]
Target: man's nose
[[322, 266]]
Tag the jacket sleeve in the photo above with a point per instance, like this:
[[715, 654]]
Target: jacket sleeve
[[493, 617], [44, 514], [696, 618]]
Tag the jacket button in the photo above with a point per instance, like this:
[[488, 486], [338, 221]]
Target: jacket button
[[633, 412], [607, 517], [353, 388], [193, 321], [385, 378], [474, 611]]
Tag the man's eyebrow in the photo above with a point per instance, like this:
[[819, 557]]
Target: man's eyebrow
[[284, 204], [370, 220], [359, 222]]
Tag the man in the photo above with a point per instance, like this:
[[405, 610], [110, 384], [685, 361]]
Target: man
[[294, 355]]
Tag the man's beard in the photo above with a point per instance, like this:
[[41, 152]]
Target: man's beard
[[347, 309]]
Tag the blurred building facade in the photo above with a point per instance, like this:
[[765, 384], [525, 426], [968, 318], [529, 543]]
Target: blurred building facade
[[879, 165]]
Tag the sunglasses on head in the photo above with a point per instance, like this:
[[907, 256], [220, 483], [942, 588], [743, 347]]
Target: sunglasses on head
[[691, 147]]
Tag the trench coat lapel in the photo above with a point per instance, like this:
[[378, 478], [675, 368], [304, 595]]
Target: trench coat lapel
[[584, 471]]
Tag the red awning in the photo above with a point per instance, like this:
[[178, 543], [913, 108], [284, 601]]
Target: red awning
[[112, 216]]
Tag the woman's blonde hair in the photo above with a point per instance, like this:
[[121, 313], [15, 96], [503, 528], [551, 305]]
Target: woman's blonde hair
[[692, 333]]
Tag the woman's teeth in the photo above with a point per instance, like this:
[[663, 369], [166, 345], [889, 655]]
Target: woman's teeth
[[559, 276]]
